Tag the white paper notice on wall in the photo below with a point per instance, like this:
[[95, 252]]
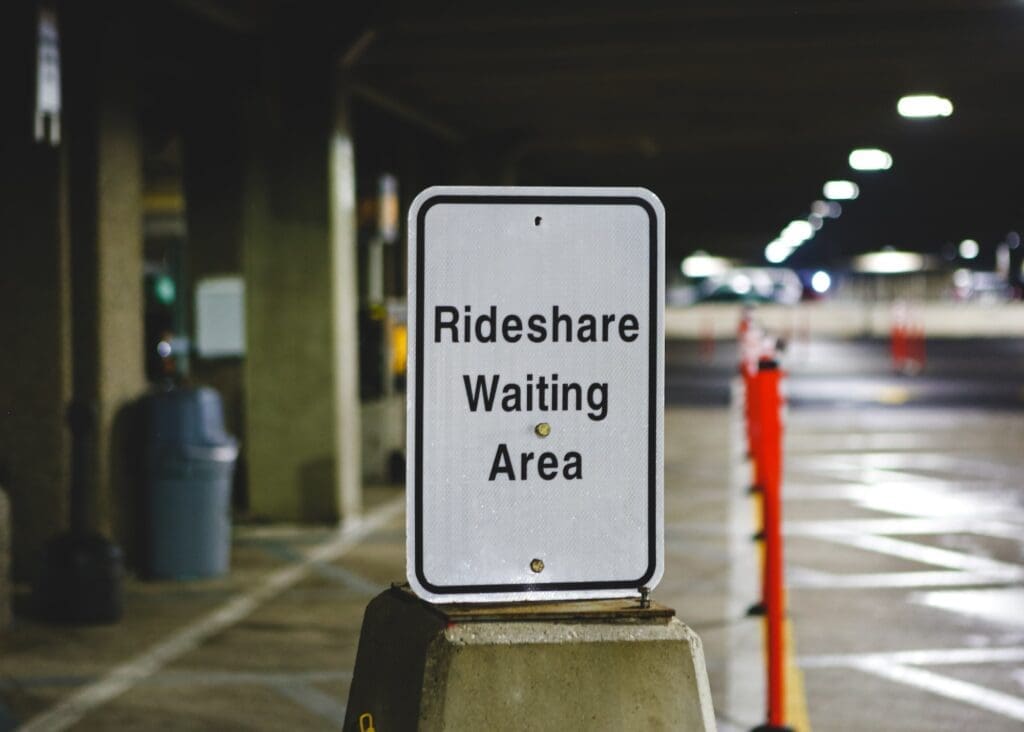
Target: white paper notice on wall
[[220, 317], [536, 393], [48, 78]]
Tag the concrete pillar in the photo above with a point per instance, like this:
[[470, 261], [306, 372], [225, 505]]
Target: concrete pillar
[[71, 276], [345, 305], [105, 195], [35, 370], [299, 237]]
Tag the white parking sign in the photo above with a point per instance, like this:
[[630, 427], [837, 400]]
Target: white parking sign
[[535, 438]]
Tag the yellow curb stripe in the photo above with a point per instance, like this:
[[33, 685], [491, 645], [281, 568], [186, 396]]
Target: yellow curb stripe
[[893, 395], [796, 697]]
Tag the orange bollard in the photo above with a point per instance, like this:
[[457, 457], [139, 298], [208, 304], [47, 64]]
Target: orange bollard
[[769, 403], [898, 336]]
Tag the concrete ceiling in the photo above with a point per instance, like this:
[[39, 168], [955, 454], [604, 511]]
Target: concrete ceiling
[[734, 112]]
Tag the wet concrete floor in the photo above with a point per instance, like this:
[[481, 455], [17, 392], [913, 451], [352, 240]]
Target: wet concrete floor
[[905, 560]]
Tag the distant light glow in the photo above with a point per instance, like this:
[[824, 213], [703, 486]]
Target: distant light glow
[[890, 262], [969, 249], [820, 282], [827, 209], [797, 232], [842, 190], [777, 251], [741, 284], [816, 221], [164, 289], [702, 264], [920, 106], [163, 349], [962, 278], [870, 158]]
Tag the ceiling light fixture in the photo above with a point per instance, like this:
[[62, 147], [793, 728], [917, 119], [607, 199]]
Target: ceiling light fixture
[[701, 264], [840, 190], [777, 251], [923, 106], [797, 232], [889, 262], [870, 158]]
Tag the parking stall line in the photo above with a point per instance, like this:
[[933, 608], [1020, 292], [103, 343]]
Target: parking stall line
[[948, 687], [123, 677]]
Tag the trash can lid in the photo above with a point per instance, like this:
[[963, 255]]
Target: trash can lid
[[186, 416]]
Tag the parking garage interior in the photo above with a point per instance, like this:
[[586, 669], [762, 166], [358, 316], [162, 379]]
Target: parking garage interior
[[208, 197]]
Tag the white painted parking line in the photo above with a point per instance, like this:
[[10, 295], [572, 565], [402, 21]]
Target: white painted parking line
[[901, 667], [803, 578], [993, 701], [126, 675], [905, 527], [923, 554], [1003, 605], [926, 657], [969, 570]]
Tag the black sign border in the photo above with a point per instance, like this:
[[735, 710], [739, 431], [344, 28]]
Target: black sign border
[[653, 381]]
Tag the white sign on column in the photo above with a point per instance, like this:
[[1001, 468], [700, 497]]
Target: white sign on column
[[536, 394]]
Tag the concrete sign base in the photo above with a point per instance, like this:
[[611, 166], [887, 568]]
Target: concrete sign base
[[607, 664]]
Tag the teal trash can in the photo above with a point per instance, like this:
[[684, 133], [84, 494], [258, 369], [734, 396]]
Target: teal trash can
[[189, 465]]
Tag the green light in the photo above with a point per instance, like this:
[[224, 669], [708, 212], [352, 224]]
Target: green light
[[164, 289]]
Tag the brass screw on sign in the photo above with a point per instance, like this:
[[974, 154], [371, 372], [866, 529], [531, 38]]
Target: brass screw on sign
[[543, 429], [537, 565]]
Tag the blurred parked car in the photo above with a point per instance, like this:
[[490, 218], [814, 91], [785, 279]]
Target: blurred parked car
[[751, 284]]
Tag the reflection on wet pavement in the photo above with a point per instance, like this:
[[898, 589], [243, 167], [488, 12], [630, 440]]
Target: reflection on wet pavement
[[905, 564]]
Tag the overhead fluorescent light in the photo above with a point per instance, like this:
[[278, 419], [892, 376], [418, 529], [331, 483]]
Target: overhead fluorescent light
[[702, 264], [920, 106], [797, 232], [890, 262], [840, 190], [870, 158], [778, 251]]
